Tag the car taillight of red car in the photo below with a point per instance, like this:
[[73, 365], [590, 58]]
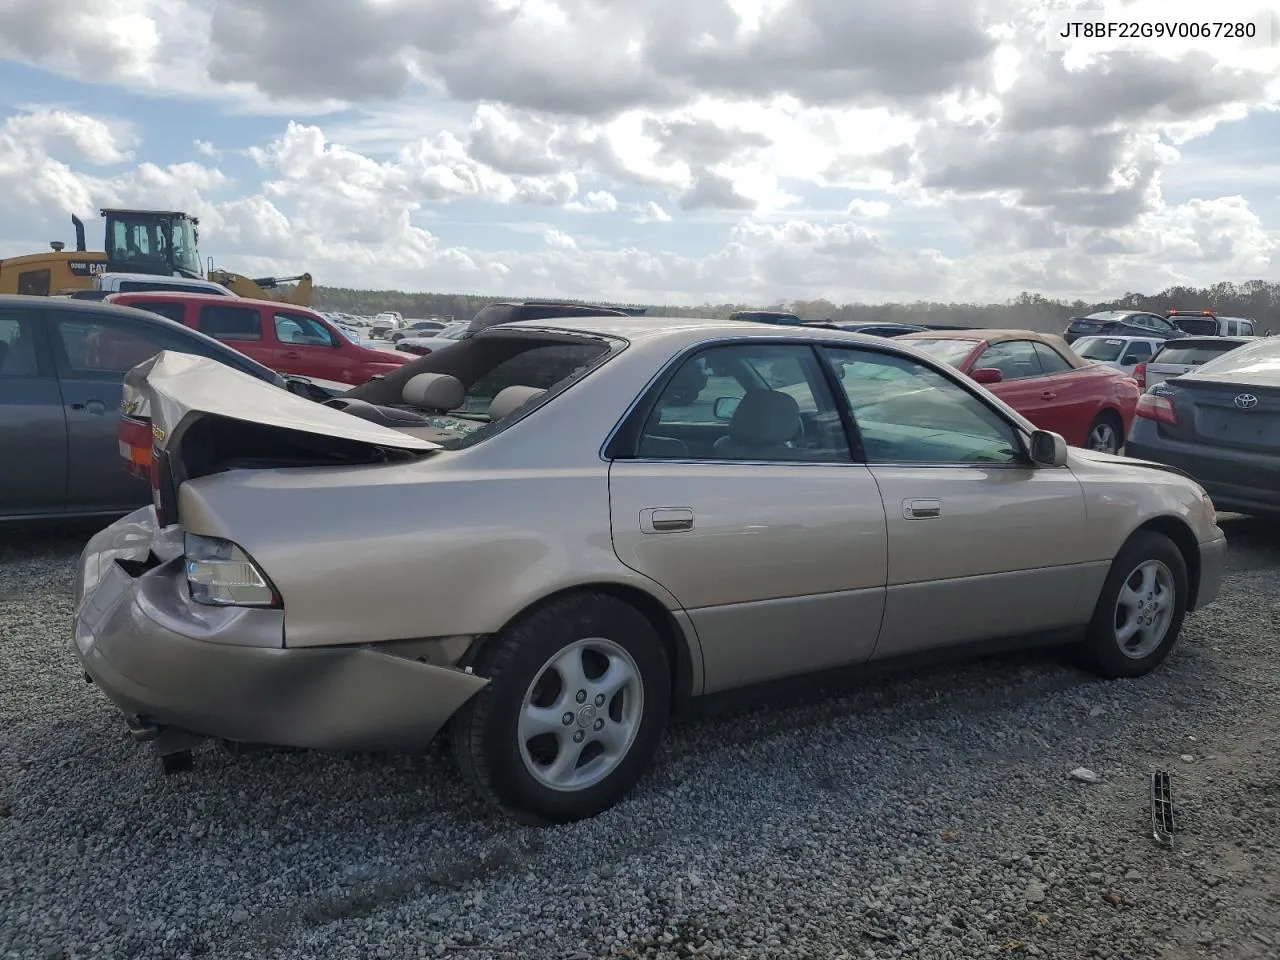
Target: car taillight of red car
[[1140, 374], [1157, 407]]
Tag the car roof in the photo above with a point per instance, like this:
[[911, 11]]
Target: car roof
[[645, 329], [185, 295], [1124, 336], [1194, 341], [158, 278]]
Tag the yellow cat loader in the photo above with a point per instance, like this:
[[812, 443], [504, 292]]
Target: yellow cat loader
[[157, 242]]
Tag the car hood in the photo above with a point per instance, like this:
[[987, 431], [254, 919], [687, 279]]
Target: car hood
[[173, 386]]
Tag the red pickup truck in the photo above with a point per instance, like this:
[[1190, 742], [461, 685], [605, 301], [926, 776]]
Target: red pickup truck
[[284, 337]]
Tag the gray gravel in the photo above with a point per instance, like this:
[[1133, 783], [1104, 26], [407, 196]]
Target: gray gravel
[[933, 815]]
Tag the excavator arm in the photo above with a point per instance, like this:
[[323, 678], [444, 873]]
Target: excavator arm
[[266, 288]]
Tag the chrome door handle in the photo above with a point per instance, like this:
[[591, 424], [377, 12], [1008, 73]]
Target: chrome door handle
[[921, 509], [666, 519], [95, 407]]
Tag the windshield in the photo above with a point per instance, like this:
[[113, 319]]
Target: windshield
[[1199, 326], [1105, 349], [947, 350]]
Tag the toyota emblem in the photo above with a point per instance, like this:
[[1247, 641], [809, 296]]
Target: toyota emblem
[[1246, 401]]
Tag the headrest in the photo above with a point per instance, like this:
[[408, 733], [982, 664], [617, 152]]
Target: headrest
[[765, 418], [511, 399], [434, 391]]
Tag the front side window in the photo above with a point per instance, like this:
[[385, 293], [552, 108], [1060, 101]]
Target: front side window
[[906, 412], [746, 402], [1015, 359], [1051, 361], [304, 331], [230, 323]]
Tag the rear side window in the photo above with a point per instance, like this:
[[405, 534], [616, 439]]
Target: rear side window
[[18, 347], [540, 367], [165, 308], [1194, 354], [230, 323]]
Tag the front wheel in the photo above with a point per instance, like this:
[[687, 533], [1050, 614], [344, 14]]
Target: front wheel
[[577, 701], [1140, 610], [1106, 433]]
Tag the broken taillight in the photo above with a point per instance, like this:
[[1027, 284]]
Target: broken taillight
[[1140, 374], [136, 442]]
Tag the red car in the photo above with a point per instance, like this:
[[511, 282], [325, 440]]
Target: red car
[[1090, 404], [284, 337]]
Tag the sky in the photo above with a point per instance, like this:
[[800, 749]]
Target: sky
[[656, 151]]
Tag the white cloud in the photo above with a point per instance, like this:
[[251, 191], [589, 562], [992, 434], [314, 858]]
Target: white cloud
[[813, 147]]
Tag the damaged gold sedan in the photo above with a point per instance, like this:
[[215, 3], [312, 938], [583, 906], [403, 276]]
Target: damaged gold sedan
[[545, 538]]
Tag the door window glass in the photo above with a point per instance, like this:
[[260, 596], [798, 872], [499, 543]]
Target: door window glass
[[1050, 360], [98, 345], [17, 348], [230, 323], [164, 308], [746, 402], [304, 331], [1015, 359], [908, 413]]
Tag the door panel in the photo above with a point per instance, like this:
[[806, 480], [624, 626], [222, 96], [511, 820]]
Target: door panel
[[1004, 554], [33, 428], [774, 543], [783, 569]]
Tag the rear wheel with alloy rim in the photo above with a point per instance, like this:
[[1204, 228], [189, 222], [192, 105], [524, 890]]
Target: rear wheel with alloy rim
[[1106, 433], [1140, 610], [577, 700]]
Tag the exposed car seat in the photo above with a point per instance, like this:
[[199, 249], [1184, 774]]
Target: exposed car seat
[[761, 426], [662, 448], [511, 399], [383, 416], [434, 391]]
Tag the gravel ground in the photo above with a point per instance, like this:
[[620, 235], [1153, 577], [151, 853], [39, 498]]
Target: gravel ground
[[931, 815]]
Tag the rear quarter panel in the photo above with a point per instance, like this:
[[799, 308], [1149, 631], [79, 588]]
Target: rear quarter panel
[[455, 544]]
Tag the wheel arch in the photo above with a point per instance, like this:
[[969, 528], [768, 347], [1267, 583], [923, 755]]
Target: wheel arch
[[676, 642], [1184, 539]]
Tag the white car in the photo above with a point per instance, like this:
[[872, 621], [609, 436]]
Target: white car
[[1121, 353], [1184, 355]]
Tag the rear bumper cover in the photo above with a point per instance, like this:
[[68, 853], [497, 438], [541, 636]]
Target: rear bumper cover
[[224, 672]]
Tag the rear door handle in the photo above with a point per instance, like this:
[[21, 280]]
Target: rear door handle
[[1048, 395], [291, 355], [921, 509], [95, 407], [666, 519]]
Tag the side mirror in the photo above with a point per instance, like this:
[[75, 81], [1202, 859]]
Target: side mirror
[[1048, 449], [724, 407], [986, 375]]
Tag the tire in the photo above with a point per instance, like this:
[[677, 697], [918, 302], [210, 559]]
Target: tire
[[1105, 425], [512, 766], [1103, 650]]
